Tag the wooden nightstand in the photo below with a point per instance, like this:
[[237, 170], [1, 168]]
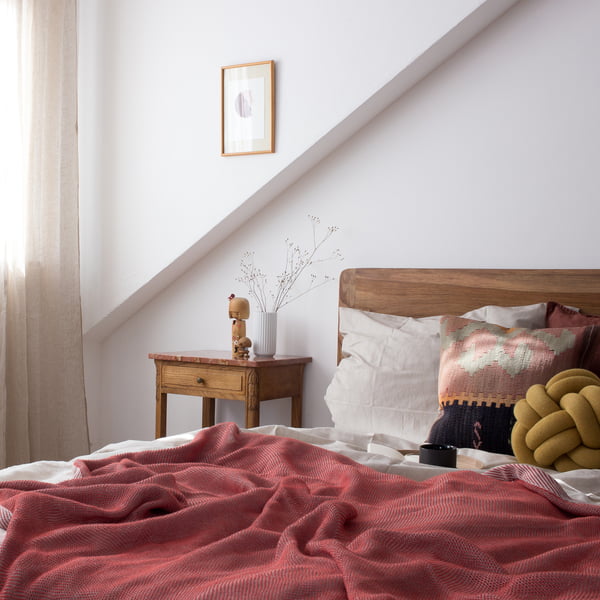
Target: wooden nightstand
[[213, 374]]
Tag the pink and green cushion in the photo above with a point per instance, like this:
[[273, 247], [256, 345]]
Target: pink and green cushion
[[485, 369], [558, 424]]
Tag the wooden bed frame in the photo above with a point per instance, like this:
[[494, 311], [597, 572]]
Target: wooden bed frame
[[428, 292]]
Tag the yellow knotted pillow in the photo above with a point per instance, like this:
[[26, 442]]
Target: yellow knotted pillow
[[558, 424]]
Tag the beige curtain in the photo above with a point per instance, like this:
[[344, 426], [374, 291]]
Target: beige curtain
[[42, 399]]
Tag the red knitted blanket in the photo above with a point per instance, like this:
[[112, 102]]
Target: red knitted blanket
[[236, 515]]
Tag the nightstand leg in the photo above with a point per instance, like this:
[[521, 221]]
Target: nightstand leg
[[252, 415], [161, 415], [252, 403], [296, 411], [208, 412]]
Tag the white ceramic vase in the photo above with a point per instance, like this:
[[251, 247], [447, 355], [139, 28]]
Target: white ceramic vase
[[264, 341]]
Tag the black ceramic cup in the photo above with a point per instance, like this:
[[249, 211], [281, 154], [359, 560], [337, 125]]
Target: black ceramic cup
[[440, 455]]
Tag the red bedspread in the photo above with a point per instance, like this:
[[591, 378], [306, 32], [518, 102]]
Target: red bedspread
[[236, 515]]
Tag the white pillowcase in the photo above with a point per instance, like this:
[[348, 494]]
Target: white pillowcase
[[386, 381]]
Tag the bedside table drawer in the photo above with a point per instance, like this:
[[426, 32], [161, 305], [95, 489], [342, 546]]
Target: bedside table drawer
[[202, 379]]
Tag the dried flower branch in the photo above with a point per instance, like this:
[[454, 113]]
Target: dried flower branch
[[297, 261]]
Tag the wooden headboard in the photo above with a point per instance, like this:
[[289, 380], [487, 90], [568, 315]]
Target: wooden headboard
[[428, 292]]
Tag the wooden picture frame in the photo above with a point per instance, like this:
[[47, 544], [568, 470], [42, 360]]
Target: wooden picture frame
[[248, 108]]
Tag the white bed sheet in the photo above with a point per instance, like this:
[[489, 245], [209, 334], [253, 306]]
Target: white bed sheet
[[384, 453]]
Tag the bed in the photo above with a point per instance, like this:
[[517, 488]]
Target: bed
[[331, 512]]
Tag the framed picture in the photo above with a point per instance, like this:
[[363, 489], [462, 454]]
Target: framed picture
[[248, 108]]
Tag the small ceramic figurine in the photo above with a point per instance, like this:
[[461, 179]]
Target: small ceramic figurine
[[239, 311]]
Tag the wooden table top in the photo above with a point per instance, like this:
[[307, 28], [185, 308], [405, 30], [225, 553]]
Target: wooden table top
[[223, 357]]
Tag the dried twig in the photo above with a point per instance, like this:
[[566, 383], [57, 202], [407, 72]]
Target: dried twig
[[297, 261]]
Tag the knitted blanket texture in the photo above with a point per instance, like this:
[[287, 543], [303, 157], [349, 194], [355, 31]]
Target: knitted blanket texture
[[241, 515]]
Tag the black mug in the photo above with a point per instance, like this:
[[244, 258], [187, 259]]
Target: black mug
[[440, 455]]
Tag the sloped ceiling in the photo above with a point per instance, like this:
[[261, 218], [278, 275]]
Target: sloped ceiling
[[101, 323]]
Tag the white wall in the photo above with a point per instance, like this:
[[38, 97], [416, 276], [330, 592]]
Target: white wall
[[491, 161], [153, 183]]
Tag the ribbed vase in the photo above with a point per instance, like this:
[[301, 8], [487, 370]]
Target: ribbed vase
[[264, 341]]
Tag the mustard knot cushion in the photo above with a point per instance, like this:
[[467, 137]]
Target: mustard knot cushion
[[558, 424]]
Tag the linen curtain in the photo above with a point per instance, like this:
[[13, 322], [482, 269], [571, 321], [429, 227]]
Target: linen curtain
[[42, 398]]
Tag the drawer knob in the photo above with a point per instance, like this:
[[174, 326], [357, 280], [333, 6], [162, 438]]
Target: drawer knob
[[199, 380]]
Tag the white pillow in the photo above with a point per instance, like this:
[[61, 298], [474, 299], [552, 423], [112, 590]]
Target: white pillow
[[386, 381]]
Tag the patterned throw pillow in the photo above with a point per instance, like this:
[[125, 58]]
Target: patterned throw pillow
[[485, 369]]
